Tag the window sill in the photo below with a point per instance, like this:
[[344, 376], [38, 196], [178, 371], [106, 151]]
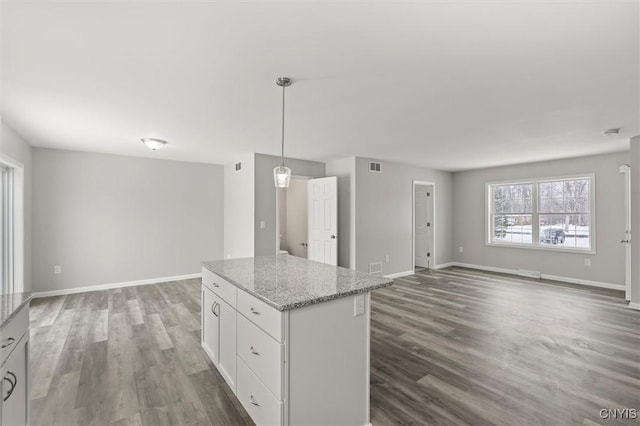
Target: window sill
[[543, 248]]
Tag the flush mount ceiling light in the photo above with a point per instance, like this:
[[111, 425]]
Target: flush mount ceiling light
[[282, 174], [153, 144], [612, 132]]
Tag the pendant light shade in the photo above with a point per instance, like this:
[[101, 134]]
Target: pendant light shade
[[282, 174]]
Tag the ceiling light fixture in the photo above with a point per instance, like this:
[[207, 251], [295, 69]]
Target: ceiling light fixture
[[153, 144], [282, 174], [612, 132]]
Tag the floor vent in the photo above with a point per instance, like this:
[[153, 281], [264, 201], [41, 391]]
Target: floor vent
[[238, 166], [375, 167], [530, 274], [375, 268]]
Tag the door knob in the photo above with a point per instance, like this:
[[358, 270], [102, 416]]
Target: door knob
[[333, 237]]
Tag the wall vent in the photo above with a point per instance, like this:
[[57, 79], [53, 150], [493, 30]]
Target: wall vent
[[238, 166], [375, 267], [530, 274], [375, 167]]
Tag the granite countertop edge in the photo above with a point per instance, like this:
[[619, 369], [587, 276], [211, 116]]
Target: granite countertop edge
[[312, 301], [26, 298]]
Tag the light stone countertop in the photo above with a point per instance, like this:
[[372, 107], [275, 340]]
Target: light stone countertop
[[10, 304], [288, 282]]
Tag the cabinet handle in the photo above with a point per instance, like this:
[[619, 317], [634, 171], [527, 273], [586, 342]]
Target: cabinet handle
[[13, 383], [8, 342], [253, 351], [254, 312], [213, 308], [253, 401]]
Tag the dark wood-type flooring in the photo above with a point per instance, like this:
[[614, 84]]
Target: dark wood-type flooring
[[447, 347]]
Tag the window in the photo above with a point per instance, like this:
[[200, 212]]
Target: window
[[543, 213]]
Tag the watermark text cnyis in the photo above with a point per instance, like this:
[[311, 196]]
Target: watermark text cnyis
[[619, 413]]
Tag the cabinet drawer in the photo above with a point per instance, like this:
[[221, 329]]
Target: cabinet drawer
[[261, 405], [13, 331], [223, 288], [261, 314], [262, 354]]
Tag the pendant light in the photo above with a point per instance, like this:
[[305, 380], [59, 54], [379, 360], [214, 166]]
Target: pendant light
[[282, 174]]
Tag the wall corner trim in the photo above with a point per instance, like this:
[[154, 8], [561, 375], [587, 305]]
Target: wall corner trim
[[100, 287], [400, 274]]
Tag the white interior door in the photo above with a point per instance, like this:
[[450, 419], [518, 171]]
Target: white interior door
[[423, 226], [322, 195]]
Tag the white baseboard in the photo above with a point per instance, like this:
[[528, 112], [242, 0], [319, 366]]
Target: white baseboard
[[584, 282], [114, 285], [400, 274], [635, 306], [444, 265], [543, 276]]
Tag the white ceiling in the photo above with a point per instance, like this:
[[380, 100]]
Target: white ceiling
[[448, 85]]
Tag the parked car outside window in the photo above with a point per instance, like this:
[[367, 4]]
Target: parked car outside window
[[553, 236]]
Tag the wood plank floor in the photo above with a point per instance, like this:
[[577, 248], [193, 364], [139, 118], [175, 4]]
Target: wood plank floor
[[447, 347]]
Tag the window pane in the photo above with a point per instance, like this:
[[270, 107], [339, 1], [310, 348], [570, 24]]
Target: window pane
[[565, 230], [512, 229], [514, 198]]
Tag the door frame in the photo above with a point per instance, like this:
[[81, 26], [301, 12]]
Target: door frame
[[625, 170], [301, 177], [413, 222]]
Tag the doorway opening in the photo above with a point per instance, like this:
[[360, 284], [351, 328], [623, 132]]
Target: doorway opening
[[424, 249], [292, 217]]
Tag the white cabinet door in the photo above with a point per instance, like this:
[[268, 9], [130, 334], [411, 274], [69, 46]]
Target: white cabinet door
[[227, 348], [211, 324], [15, 387]]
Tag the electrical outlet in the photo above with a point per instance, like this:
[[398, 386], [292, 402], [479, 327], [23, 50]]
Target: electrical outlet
[[587, 262], [263, 224], [461, 249], [57, 269], [386, 257]]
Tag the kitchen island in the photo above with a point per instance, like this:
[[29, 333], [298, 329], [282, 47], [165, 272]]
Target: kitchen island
[[290, 337]]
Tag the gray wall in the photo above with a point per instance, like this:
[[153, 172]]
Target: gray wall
[[16, 147], [110, 219], [384, 215], [265, 196], [345, 170], [469, 212], [239, 204], [635, 222]]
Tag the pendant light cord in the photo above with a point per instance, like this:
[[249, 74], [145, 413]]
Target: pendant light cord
[[282, 155]]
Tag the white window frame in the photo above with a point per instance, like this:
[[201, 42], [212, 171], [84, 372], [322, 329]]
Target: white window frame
[[13, 227], [535, 215]]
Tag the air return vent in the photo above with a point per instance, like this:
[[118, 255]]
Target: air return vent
[[238, 166], [375, 167], [375, 268]]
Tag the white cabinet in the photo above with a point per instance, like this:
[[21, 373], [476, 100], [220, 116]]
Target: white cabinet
[[306, 366], [210, 325], [14, 370], [227, 364], [219, 328]]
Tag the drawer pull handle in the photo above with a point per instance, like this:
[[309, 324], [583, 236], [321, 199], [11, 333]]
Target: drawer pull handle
[[8, 342], [253, 351], [13, 383], [254, 312], [216, 285], [253, 401]]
